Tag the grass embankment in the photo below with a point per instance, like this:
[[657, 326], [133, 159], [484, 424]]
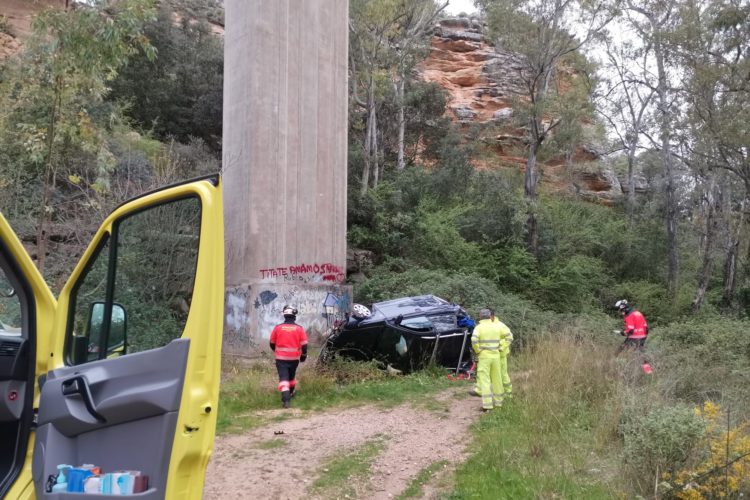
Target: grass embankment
[[557, 437], [253, 389]]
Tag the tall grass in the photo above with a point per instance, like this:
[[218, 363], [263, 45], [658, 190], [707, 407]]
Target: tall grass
[[554, 438]]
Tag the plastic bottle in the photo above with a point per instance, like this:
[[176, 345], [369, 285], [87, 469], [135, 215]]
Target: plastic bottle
[[61, 484]]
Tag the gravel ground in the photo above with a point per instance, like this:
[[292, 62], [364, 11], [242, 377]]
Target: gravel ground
[[414, 436]]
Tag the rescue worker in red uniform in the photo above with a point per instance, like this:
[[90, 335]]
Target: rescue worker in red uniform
[[289, 344], [636, 328]]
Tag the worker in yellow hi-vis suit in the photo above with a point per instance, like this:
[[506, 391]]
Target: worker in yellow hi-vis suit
[[504, 351], [486, 342]]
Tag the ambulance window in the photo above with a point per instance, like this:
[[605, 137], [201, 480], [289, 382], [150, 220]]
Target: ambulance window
[[157, 257], [10, 307], [83, 342], [137, 295]]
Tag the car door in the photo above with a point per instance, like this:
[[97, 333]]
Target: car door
[[133, 365]]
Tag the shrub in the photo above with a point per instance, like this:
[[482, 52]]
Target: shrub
[[438, 244], [725, 469], [572, 284], [398, 278], [649, 298], [706, 357], [660, 440]]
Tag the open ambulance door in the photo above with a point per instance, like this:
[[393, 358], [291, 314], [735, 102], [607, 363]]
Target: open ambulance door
[[126, 365]]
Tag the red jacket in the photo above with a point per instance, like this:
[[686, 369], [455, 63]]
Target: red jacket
[[635, 325], [288, 339]]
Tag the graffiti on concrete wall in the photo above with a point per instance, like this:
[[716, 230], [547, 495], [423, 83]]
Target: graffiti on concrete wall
[[237, 317], [251, 312], [309, 302], [305, 273]]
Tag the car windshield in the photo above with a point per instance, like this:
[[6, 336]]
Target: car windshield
[[437, 322], [408, 306]]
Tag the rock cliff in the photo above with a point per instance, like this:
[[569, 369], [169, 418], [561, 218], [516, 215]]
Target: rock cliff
[[15, 21], [480, 82]]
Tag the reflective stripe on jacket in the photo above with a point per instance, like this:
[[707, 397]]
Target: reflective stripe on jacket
[[635, 325], [489, 338], [505, 345], [288, 339]]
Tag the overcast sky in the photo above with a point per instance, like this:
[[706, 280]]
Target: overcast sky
[[457, 6]]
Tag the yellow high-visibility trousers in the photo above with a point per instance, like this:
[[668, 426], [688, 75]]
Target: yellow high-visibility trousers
[[507, 386], [489, 379]]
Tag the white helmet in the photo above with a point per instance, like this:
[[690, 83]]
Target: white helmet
[[360, 312], [621, 304], [289, 311]]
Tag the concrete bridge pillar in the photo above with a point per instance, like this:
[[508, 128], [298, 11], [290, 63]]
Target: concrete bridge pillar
[[285, 164]]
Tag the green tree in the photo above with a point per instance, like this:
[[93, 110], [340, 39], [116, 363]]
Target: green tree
[[178, 94], [714, 42], [52, 95], [388, 38], [540, 35], [625, 103], [654, 21]]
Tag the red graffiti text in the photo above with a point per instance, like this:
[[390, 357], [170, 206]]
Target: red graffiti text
[[306, 272]]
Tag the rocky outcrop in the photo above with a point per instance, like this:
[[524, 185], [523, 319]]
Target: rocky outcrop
[[9, 45], [358, 263], [471, 71], [481, 82], [15, 21]]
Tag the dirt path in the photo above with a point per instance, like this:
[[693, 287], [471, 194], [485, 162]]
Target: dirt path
[[247, 466]]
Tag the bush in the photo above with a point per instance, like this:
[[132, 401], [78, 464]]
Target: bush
[[398, 278], [498, 215], [705, 357], [725, 444], [438, 244], [572, 284], [180, 93], [661, 440]]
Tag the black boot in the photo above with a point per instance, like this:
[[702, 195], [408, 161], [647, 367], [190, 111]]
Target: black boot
[[285, 397]]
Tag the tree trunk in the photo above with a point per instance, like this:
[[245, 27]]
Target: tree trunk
[[530, 180], [375, 152], [631, 181], [368, 145], [730, 264], [401, 162], [50, 179], [666, 153], [704, 277], [41, 230]]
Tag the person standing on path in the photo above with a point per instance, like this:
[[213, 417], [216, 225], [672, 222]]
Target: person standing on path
[[504, 352], [289, 344], [485, 341]]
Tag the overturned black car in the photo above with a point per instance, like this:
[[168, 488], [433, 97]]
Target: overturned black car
[[405, 334]]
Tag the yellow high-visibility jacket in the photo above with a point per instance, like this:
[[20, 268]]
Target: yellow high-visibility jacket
[[490, 339], [508, 339]]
